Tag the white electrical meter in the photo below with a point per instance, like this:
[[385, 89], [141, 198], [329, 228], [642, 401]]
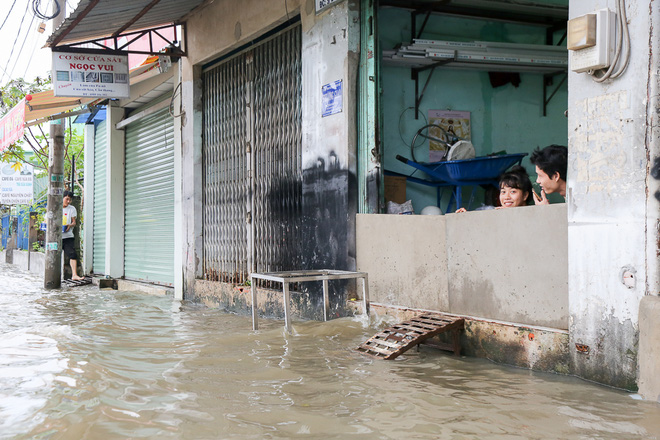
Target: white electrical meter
[[591, 40]]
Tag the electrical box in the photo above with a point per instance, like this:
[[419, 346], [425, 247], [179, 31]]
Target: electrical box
[[591, 40]]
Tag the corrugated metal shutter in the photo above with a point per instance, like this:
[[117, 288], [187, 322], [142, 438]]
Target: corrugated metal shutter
[[149, 222], [100, 191]]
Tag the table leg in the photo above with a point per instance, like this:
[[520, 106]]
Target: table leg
[[253, 289], [365, 294], [287, 311], [458, 196], [326, 300]]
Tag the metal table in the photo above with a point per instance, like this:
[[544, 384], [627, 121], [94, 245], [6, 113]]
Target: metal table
[[302, 276]]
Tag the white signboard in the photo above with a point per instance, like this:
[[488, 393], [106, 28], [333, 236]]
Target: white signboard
[[15, 184], [90, 75], [323, 4]]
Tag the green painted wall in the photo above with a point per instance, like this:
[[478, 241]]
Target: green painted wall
[[503, 118]]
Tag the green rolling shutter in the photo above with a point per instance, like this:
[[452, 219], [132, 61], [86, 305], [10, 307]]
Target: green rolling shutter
[[149, 222], [100, 191]]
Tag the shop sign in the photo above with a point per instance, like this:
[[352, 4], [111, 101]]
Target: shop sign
[[324, 4], [15, 184], [90, 75], [12, 125]]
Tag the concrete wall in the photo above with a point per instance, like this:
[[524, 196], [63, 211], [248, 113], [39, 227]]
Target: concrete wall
[[330, 46], [20, 259], [613, 259], [506, 265], [649, 348]]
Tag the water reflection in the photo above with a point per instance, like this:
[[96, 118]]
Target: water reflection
[[90, 364]]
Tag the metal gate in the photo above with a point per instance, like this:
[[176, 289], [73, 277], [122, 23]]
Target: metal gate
[[252, 160], [100, 191], [149, 202]]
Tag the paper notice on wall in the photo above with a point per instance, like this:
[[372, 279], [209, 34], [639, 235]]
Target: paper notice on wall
[[332, 98], [456, 125]]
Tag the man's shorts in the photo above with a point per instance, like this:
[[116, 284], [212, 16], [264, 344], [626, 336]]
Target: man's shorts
[[69, 248]]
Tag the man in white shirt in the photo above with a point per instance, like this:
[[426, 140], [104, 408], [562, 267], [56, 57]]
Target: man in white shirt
[[69, 215]]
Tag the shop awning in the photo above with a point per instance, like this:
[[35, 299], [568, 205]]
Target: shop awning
[[108, 19], [43, 106], [35, 109]]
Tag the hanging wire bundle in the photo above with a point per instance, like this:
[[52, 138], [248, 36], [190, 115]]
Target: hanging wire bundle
[[36, 4], [622, 47]]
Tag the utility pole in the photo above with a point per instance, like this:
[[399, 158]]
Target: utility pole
[[53, 270], [53, 260]]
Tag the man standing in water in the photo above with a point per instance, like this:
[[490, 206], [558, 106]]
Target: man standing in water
[[69, 215], [551, 165]]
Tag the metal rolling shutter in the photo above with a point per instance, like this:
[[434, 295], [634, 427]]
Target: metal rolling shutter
[[252, 151], [149, 222], [100, 160]]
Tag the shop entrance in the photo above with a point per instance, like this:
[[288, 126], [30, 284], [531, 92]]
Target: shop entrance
[[492, 74]]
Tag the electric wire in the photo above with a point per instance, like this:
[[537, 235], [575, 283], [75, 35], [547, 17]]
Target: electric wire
[[20, 27], [622, 43], [8, 14], [34, 48], [27, 34], [170, 108], [35, 8]]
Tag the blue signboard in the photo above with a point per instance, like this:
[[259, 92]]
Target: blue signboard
[[332, 98]]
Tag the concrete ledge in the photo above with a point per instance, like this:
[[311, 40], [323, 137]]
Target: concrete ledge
[[37, 261], [524, 346], [136, 286], [649, 348], [19, 258], [149, 289], [238, 299]]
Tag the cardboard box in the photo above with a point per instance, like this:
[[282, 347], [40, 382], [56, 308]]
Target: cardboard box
[[395, 189]]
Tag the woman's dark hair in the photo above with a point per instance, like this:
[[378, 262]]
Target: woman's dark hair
[[552, 159], [67, 194], [517, 177]]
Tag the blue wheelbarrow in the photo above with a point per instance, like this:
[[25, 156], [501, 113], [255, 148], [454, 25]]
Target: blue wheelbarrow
[[456, 174]]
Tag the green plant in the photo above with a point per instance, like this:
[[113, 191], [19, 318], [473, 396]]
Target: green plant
[[33, 147], [36, 246]]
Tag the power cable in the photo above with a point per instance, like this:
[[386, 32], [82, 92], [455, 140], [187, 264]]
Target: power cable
[[27, 34], [8, 13], [35, 8], [20, 27], [622, 44], [34, 48]]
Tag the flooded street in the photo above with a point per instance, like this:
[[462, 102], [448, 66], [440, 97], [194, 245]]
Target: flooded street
[[90, 364]]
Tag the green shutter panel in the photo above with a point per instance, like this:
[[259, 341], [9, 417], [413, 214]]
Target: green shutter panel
[[149, 222], [100, 191]]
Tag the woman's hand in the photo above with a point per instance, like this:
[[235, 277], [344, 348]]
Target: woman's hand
[[540, 199], [461, 210]]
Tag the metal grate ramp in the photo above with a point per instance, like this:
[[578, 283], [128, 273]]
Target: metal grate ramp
[[77, 283], [399, 338]]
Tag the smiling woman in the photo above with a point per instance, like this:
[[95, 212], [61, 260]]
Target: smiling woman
[[515, 189]]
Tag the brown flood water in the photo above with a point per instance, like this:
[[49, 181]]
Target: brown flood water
[[90, 364]]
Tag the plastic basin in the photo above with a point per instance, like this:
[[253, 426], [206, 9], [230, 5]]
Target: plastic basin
[[479, 168]]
